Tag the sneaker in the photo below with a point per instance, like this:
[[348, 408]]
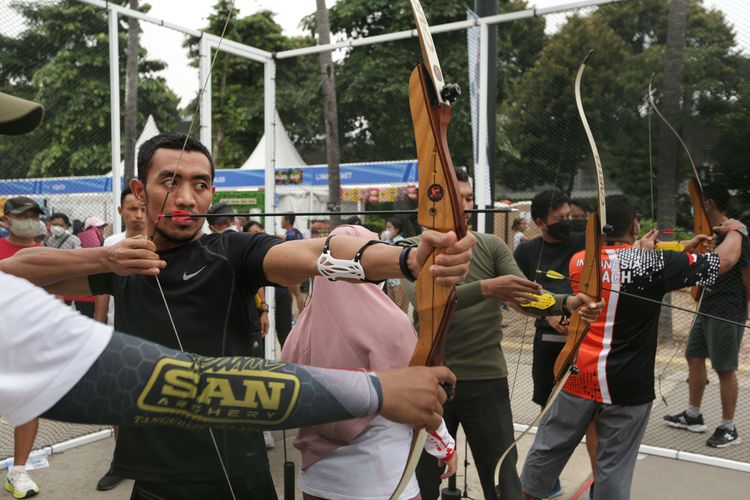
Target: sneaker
[[683, 421], [722, 438], [556, 490], [108, 481], [20, 484], [268, 438]]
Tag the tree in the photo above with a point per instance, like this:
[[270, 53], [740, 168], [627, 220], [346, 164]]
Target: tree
[[61, 60], [330, 113]]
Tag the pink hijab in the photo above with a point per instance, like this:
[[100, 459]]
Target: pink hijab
[[346, 325]]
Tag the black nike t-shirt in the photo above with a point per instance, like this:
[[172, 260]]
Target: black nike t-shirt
[[206, 283]]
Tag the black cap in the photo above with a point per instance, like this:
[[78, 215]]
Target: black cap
[[19, 205], [219, 213]]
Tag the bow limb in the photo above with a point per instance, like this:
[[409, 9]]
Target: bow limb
[[439, 208], [590, 282]]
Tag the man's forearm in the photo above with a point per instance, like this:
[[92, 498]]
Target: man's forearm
[[47, 266], [294, 261]]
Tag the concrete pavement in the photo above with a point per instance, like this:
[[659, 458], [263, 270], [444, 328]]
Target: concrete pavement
[[74, 473]]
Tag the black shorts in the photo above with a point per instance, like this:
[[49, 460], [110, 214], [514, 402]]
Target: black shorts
[[543, 365]]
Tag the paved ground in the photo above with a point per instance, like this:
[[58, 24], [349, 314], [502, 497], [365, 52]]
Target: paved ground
[[73, 474]]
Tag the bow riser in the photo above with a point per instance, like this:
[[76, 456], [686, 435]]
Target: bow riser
[[438, 206], [590, 284], [701, 224]]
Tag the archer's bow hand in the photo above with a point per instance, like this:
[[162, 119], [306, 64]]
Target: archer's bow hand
[[451, 266], [510, 288], [136, 255], [415, 396], [586, 306]]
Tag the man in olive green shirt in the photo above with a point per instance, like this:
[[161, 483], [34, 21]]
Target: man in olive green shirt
[[473, 352]]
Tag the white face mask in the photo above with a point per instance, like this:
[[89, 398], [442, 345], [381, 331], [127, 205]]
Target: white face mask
[[24, 228], [387, 235], [57, 231]]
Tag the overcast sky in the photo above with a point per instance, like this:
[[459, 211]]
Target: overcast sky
[[166, 44]]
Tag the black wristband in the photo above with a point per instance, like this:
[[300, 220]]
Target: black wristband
[[402, 263], [564, 307]]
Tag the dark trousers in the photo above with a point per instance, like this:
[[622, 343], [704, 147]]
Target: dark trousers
[[482, 408], [86, 308], [283, 314], [243, 488]]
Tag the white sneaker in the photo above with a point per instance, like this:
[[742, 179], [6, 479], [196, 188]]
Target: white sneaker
[[268, 438], [20, 484]]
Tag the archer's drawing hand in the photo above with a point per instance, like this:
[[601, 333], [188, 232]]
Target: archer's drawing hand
[[649, 240], [730, 225], [451, 266], [136, 255], [414, 395], [510, 288], [586, 306], [692, 245]]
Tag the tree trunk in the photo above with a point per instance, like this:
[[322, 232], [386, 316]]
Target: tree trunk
[[131, 96], [666, 176], [330, 110]]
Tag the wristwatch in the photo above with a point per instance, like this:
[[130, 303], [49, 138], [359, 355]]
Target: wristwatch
[[742, 230], [263, 307]]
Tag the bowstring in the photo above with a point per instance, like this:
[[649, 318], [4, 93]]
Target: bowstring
[[161, 211]]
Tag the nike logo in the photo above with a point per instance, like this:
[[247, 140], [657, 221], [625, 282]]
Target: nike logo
[[186, 276]]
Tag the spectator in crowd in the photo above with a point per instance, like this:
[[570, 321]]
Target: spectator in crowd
[[519, 227], [253, 226], [550, 211], [222, 218], [395, 231], [366, 455], [715, 339], [61, 234], [473, 351], [133, 214], [21, 216], [284, 295], [92, 235]]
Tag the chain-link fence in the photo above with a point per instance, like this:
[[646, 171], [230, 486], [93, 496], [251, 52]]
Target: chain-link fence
[[56, 52]]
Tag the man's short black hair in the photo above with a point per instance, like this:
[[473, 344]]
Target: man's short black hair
[[583, 204], [220, 213], [124, 194], [60, 215], [247, 225], [169, 140], [719, 194], [462, 174], [546, 201], [620, 214], [290, 218]]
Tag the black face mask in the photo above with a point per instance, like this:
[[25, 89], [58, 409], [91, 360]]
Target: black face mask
[[559, 230], [578, 226]]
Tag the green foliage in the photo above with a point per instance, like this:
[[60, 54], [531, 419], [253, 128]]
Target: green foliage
[[629, 40], [61, 60]]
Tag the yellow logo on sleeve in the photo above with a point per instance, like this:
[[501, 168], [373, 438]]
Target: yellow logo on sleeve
[[228, 394]]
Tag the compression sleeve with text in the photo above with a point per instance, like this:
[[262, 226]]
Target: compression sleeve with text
[[137, 382]]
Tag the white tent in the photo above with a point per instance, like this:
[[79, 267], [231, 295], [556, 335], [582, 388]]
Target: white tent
[[149, 130], [286, 154]]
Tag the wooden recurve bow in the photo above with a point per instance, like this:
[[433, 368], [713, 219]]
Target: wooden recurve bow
[[439, 207]]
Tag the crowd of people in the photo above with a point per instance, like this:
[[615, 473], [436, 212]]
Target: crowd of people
[[190, 299]]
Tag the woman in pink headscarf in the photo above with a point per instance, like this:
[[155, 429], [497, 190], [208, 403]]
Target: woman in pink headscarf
[[355, 325]]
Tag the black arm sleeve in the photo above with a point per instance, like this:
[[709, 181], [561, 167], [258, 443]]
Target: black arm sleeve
[[136, 382]]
